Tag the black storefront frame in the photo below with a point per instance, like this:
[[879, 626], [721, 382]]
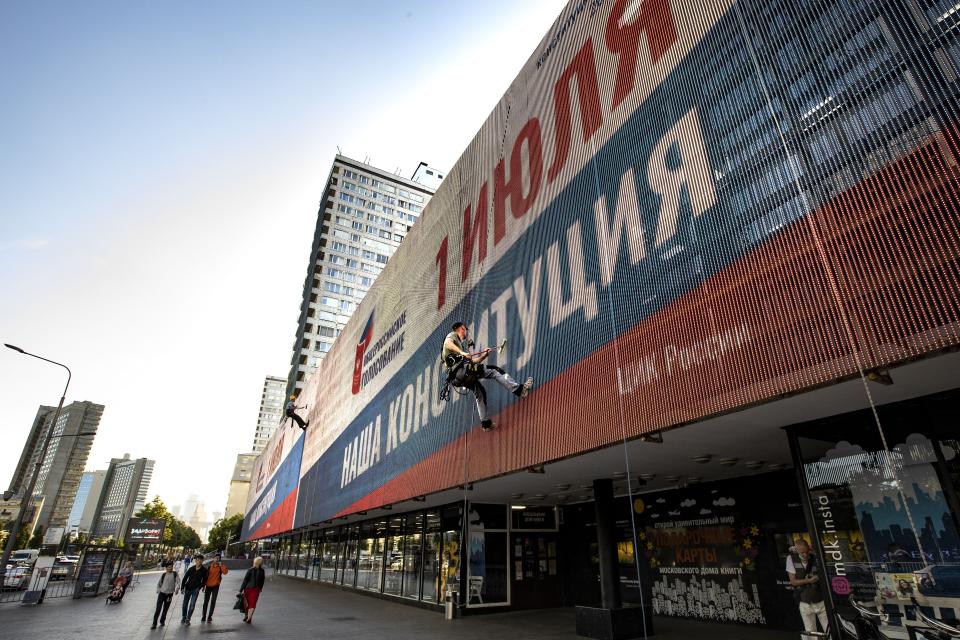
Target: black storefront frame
[[808, 515]]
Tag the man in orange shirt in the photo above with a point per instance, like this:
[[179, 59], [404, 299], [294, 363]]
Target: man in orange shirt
[[215, 574]]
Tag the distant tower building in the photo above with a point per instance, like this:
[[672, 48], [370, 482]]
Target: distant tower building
[[271, 411], [85, 504], [195, 515], [240, 484], [63, 464], [364, 214], [125, 492]]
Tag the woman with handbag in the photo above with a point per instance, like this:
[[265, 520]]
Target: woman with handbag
[[252, 585]]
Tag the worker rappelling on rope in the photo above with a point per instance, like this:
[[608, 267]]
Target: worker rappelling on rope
[[290, 411], [465, 370]]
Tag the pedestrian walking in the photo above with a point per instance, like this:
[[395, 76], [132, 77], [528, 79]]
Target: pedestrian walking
[[166, 587], [215, 573], [193, 581], [168, 559], [178, 566], [252, 586]]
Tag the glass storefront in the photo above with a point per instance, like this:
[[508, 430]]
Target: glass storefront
[[370, 568], [882, 493], [412, 550], [413, 555]]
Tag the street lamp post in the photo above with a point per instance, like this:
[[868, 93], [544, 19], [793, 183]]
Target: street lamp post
[[28, 492]]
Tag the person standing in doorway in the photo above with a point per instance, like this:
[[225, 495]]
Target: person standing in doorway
[[165, 590], [193, 580], [252, 585], [804, 574], [215, 573]]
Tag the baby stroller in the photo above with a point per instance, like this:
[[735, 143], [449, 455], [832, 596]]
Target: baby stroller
[[116, 593]]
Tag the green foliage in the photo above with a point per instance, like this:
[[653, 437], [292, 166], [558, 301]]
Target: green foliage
[[224, 530], [36, 540], [22, 539], [183, 535]]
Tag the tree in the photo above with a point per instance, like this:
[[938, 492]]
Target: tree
[[21, 539], [183, 535], [37, 539], [224, 530]]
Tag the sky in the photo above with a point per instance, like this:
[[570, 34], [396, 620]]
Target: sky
[[161, 165]]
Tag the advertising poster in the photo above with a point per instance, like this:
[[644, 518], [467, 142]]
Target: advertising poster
[[710, 550], [273, 485], [647, 193]]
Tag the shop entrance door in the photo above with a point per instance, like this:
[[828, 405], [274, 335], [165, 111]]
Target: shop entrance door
[[534, 570]]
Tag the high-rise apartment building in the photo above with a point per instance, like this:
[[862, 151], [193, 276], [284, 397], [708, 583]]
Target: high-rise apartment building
[[364, 214], [125, 492], [240, 484], [271, 411], [66, 456], [85, 504], [428, 176]]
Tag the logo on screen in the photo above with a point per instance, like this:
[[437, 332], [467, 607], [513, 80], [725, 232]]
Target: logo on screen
[[362, 345]]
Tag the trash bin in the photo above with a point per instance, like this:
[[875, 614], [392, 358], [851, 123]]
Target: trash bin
[[450, 604]]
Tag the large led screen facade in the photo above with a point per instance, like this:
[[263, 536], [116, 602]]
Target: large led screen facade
[[677, 209]]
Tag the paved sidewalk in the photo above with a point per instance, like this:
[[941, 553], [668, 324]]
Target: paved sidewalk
[[298, 610]]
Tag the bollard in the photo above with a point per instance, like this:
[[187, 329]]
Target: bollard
[[450, 604]]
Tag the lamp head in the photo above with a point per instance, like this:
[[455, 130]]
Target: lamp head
[[10, 346]]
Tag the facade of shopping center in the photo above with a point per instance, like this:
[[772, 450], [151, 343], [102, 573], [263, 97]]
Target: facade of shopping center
[[724, 241]]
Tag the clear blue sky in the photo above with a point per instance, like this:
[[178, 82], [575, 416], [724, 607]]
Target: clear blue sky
[[160, 168]]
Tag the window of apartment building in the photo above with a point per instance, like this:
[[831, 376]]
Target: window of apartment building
[[349, 185], [340, 233], [353, 264], [332, 287], [397, 237], [383, 233], [323, 346], [368, 255], [365, 281], [364, 179], [357, 225], [370, 268], [330, 301], [327, 332], [347, 197], [382, 259]]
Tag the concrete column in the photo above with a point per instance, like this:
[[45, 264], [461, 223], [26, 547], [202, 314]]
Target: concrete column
[[607, 544]]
